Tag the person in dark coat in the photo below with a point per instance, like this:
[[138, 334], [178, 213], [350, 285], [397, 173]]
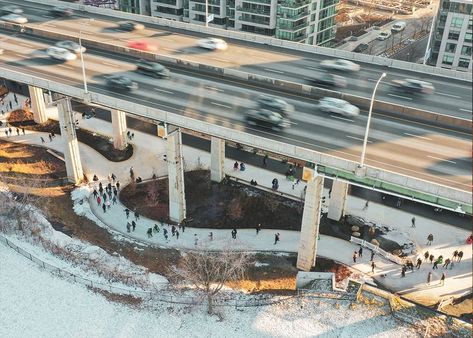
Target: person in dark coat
[[133, 225], [431, 258], [104, 207], [127, 212], [426, 255], [460, 256], [360, 252], [276, 238], [150, 232], [419, 262], [258, 228], [429, 277]]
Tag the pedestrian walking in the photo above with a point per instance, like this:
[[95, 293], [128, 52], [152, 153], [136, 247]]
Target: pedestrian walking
[[150, 232], [410, 265], [372, 267], [95, 193], [419, 262], [413, 221], [431, 258], [137, 216], [11, 106], [398, 203], [403, 271], [165, 233], [429, 277], [15, 98], [156, 228], [265, 160], [447, 262], [114, 178], [23, 130], [133, 225], [354, 256], [258, 228], [442, 279], [17, 132], [234, 233], [276, 238], [196, 240], [108, 204], [104, 196], [372, 255], [452, 264], [366, 205], [436, 263], [460, 256], [177, 234], [235, 166], [53, 134], [42, 139], [127, 212], [118, 185], [50, 138], [104, 207], [360, 252], [128, 134], [128, 226], [99, 201], [242, 166], [173, 231], [211, 236], [455, 254], [430, 239], [114, 199], [132, 136], [132, 174], [426, 255]]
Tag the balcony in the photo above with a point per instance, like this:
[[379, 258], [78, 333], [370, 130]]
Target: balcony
[[210, 2], [166, 2], [294, 4], [254, 11], [266, 2], [297, 16], [260, 21], [291, 28]]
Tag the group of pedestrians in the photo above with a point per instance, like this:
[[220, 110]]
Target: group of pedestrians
[[239, 166], [108, 194]]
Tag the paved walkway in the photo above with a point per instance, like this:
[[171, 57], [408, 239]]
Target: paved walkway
[[148, 160]]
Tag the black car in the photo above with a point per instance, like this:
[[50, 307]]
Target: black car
[[130, 26], [61, 11], [152, 69], [120, 82], [361, 48], [274, 104], [266, 119], [329, 80]]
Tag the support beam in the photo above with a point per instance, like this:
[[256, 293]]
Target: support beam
[[37, 104], [177, 198], [310, 223], [217, 159], [119, 129], [71, 146], [338, 198]]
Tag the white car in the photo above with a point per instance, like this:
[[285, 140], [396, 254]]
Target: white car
[[60, 54], [15, 18], [398, 26], [70, 45], [337, 106], [11, 9], [213, 44], [340, 64], [384, 35]]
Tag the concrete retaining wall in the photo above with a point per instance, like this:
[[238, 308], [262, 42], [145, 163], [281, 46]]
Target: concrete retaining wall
[[260, 39], [464, 197], [260, 80]]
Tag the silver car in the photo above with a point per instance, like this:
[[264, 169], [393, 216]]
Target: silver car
[[71, 45], [337, 106]]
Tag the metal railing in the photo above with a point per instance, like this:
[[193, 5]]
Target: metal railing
[[378, 250]]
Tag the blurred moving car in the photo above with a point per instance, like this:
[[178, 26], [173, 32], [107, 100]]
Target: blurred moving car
[[71, 45], [274, 104], [11, 9], [212, 44], [412, 86], [130, 26], [340, 64], [152, 69], [384, 35], [121, 83], [267, 119], [60, 54], [142, 45], [60, 11], [15, 18], [361, 48], [398, 26], [338, 106], [329, 80]]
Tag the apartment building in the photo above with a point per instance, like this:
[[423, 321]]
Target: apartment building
[[305, 21], [451, 39]]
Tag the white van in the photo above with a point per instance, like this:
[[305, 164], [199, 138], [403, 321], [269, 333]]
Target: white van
[[398, 26]]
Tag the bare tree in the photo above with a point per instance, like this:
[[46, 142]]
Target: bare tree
[[210, 271]]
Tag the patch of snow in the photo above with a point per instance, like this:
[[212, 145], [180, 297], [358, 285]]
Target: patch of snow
[[260, 264]]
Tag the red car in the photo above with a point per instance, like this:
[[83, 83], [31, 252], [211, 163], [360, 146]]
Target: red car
[[143, 45]]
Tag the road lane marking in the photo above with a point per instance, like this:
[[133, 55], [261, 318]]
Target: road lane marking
[[466, 110], [399, 96], [109, 64], [450, 95], [341, 118], [441, 159], [64, 66], [24, 44], [219, 60], [169, 49], [273, 70], [358, 139], [418, 136], [220, 105], [312, 68], [163, 90], [214, 88]]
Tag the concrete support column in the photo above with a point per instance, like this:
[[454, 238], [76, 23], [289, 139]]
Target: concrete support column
[[71, 146], [177, 198], [310, 223], [217, 159], [37, 104], [119, 129], [338, 198]]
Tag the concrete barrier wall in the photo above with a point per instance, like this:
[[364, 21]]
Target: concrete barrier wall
[[284, 149], [260, 39], [260, 80]]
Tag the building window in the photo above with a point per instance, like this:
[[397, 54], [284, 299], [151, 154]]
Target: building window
[[468, 37], [456, 22], [447, 60], [453, 35], [466, 50], [451, 47], [464, 63]]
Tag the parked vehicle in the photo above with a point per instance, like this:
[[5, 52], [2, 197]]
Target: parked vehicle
[[384, 35]]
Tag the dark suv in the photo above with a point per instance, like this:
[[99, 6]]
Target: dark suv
[[267, 119], [121, 83], [361, 48], [152, 69]]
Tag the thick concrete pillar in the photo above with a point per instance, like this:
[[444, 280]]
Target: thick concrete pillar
[[71, 146], [338, 198], [310, 223], [177, 198], [217, 159], [37, 104], [119, 129]]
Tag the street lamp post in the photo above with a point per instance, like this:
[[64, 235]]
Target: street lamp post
[[365, 141], [206, 13], [82, 63]]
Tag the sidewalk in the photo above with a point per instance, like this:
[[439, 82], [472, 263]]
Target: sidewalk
[[148, 160]]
